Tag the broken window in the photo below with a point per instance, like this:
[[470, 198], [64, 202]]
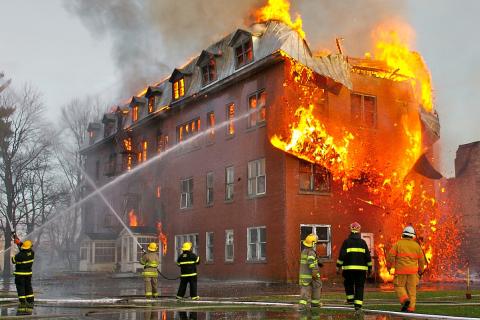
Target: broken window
[[256, 244], [364, 110], [323, 233], [313, 177], [178, 88], [244, 53], [186, 193], [229, 248], [209, 191], [151, 104], [231, 119], [211, 127], [135, 113], [188, 130], [181, 239], [209, 247], [256, 104], [209, 72], [162, 142], [229, 183], [256, 178]]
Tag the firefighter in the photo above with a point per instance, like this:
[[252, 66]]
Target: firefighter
[[407, 257], [187, 261], [23, 272], [309, 277], [150, 261], [355, 261]]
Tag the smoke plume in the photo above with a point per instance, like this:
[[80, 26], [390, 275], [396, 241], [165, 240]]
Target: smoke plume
[[149, 38]]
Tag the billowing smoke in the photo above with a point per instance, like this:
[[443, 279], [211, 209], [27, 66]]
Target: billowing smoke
[[150, 38]]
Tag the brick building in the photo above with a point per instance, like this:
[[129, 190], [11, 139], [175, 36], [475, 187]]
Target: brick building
[[216, 179]]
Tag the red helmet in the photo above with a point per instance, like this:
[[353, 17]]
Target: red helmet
[[355, 227]]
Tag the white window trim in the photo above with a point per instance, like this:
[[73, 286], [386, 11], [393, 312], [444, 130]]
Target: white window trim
[[256, 193], [194, 248], [329, 242], [257, 247], [208, 245], [187, 194], [233, 245]]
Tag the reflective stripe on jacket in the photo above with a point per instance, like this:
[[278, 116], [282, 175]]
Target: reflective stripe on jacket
[[187, 261], [406, 256], [354, 254], [150, 262], [308, 266], [23, 262]]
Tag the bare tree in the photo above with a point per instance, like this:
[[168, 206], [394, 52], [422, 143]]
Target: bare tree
[[19, 148]]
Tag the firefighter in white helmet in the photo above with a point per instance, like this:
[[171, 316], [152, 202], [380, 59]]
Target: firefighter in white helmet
[[309, 275], [150, 261], [407, 257]]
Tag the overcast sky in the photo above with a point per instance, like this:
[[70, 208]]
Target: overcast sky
[[44, 44]]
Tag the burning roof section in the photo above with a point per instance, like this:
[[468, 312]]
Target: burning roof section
[[268, 38]]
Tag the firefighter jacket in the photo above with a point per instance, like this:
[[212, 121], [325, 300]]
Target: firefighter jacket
[[23, 262], [354, 254], [187, 261], [308, 267], [406, 256], [150, 262]]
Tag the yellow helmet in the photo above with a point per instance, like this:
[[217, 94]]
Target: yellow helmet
[[152, 247], [27, 245], [310, 240], [187, 246]]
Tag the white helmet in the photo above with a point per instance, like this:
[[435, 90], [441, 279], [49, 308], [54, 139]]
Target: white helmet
[[409, 232]]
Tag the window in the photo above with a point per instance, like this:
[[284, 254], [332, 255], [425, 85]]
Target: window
[[186, 193], [364, 110], [209, 185], [144, 242], [256, 244], [211, 127], [229, 180], [323, 232], [97, 169], [313, 178], [151, 104], [104, 252], [256, 177], [180, 239], [111, 165], [179, 88], [209, 247], [244, 53], [209, 72], [256, 105], [134, 113], [229, 249], [188, 130], [144, 151], [230, 118], [162, 142]]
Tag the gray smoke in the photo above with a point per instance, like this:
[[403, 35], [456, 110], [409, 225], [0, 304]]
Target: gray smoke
[[151, 37]]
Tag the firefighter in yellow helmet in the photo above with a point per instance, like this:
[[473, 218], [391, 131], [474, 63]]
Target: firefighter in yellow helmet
[[150, 261], [187, 261], [407, 257], [23, 272], [309, 277]]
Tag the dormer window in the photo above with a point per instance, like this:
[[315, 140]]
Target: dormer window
[[178, 88], [244, 53], [209, 72], [151, 104], [135, 113]]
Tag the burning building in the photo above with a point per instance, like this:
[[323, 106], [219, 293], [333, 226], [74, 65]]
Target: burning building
[[256, 143]]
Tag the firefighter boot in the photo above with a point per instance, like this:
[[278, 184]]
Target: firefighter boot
[[405, 306]]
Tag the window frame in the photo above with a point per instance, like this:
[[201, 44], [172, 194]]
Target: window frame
[[188, 193], [246, 46], [257, 244], [230, 115], [255, 179], [211, 127], [178, 88], [209, 190], [209, 246], [328, 242], [135, 112], [229, 185], [181, 238], [209, 71], [311, 177], [162, 142], [191, 129], [362, 119], [260, 110], [227, 243]]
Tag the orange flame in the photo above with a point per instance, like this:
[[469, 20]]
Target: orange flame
[[132, 219], [162, 237], [280, 10]]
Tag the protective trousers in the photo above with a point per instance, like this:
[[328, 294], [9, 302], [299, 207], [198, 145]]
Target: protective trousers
[[406, 288], [354, 283], [151, 287], [184, 281], [311, 291], [24, 288]]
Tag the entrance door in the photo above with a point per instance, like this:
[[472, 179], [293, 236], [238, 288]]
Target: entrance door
[[368, 237]]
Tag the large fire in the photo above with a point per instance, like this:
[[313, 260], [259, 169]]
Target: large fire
[[132, 219], [162, 238], [379, 164], [280, 10]]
